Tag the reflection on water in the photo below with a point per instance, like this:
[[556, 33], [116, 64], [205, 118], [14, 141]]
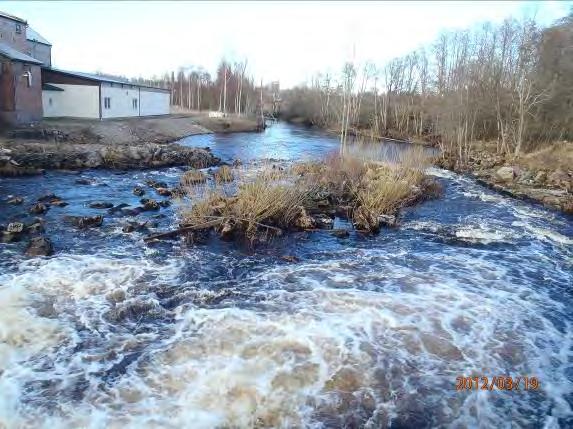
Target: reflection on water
[[364, 332]]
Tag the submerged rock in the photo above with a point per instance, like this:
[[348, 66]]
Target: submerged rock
[[48, 198], [100, 205], [85, 221], [38, 208], [35, 228], [134, 226], [83, 182], [117, 208], [58, 203], [155, 184], [290, 258], [138, 191], [149, 204], [340, 233], [15, 201], [131, 212], [164, 203], [40, 246], [164, 192], [323, 221]]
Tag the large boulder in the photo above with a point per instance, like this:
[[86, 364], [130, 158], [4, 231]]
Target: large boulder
[[505, 174], [40, 246]]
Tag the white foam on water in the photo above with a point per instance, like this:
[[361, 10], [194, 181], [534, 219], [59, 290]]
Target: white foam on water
[[297, 359], [546, 234]]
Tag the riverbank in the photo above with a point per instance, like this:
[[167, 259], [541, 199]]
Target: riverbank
[[117, 144], [544, 176]]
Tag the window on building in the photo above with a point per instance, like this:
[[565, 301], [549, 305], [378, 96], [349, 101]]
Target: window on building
[[134, 103], [50, 101], [18, 29], [107, 102]]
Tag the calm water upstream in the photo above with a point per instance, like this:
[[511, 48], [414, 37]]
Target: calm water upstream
[[363, 332]]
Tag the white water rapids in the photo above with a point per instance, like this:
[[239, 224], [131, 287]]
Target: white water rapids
[[365, 332]]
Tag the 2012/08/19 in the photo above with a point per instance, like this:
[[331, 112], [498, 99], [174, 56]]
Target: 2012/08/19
[[498, 382]]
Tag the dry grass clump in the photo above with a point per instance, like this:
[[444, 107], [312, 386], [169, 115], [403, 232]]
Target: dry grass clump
[[193, 177], [224, 174], [276, 198], [555, 156], [261, 203]]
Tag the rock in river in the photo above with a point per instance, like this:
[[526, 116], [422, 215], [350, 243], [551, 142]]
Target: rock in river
[[15, 201], [138, 191], [164, 192], [40, 246], [149, 204], [340, 233], [100, 205], [85, 221], [38, 208]]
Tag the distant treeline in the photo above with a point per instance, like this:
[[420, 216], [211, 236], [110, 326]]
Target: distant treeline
[[231, 90], [511, 83]]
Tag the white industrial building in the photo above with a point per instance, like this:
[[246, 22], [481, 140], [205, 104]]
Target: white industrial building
[[83, 95]]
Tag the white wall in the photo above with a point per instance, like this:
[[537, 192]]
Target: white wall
[[121, 101], [154, 102], [79, 101]]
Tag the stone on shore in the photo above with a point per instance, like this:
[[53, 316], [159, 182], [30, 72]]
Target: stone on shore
[[505, 174]]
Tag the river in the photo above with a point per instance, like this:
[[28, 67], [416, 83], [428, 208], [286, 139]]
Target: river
[[361, 332]]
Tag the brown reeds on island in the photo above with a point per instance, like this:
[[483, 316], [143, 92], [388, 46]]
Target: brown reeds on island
[[249, 204]]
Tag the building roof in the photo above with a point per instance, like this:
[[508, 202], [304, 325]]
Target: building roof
[[34, 36], [15, 55], [12, 17], [102, 78], [50, 87]]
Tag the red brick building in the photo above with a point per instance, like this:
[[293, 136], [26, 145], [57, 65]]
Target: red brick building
[[20, 73]]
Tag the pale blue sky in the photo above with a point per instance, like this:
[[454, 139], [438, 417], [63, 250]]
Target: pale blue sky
[[286, 41]]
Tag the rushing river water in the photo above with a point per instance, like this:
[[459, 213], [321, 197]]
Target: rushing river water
[[361, 332]]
